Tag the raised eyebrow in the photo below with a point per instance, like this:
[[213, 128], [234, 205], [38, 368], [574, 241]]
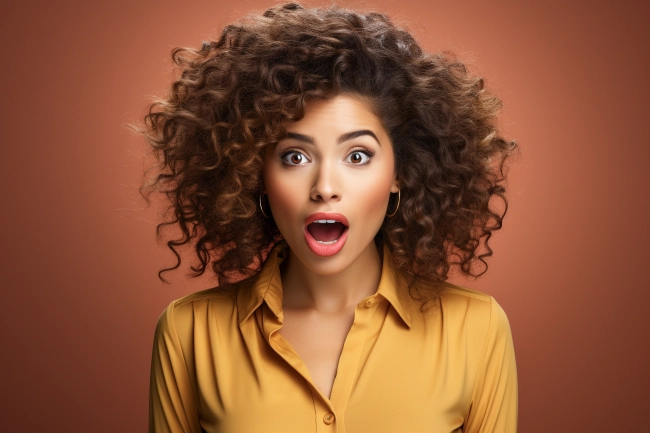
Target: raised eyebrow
[[342, 138], [300, 137], [355, 134]]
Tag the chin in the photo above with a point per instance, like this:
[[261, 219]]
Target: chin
[[329, 267]]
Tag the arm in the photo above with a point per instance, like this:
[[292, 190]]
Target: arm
[[494, 401], [171, 405]]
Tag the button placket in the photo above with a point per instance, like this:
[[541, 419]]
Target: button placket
[[348, 368]]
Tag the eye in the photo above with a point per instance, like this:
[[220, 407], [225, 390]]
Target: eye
[[360, 157], [293, 157]]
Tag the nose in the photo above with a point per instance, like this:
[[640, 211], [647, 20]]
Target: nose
[[325, 185]]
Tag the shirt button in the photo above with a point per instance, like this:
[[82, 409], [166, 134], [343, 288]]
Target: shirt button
[[328, 418], [369, 302]]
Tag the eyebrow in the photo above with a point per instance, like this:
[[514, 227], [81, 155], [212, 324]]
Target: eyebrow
[[341, 139]]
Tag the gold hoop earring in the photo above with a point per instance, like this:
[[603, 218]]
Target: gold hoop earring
[[397, 207], [262, 208]]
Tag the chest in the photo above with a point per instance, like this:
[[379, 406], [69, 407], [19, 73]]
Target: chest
[[318, 339], [390, 378]]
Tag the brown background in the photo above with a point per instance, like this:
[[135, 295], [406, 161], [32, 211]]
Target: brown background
[[79, 261]]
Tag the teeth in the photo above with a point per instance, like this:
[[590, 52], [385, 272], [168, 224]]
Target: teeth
[[327, 243], [325, 221]]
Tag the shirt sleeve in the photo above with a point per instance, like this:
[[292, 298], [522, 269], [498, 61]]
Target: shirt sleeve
[[171, 404], [494, 401]]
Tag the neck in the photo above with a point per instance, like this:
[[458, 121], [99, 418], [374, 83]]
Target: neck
[[304, 289]]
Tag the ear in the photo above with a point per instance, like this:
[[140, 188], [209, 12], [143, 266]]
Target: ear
[[395, 186]]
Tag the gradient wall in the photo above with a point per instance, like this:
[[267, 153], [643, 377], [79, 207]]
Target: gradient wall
[[80, 260]]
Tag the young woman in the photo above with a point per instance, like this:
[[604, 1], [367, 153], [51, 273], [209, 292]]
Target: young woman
[[331, 173]]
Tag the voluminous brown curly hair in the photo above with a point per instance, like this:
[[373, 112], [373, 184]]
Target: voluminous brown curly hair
[[235, 93]]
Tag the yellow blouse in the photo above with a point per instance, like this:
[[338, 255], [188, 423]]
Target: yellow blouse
[[219, 365]]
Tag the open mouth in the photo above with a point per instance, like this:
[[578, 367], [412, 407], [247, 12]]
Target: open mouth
[[326, 232]]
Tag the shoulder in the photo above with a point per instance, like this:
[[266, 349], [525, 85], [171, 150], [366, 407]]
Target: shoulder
[[453, 293], [180, 316], [459, 298], [479, 312], [214, 295]]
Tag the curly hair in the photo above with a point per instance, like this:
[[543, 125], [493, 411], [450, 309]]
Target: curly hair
[[235, 94]]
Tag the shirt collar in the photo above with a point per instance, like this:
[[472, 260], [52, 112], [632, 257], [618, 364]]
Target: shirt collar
[[268, 287]]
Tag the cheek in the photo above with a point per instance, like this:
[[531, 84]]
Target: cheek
[[281, 193], [372, 200], [375, 201], [377, 192], [281, 197]]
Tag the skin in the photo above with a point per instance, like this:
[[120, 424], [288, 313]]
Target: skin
[[321, 169]]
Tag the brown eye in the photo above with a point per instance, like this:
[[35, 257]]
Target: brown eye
[[294, 158], [360, 157]]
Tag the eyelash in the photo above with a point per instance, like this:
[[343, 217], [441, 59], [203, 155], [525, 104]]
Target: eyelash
[[369, 154]]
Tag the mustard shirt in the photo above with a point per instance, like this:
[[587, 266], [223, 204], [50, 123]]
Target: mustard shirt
[[219, 365]]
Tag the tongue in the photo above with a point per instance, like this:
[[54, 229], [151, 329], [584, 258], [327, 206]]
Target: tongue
[[326, 232]]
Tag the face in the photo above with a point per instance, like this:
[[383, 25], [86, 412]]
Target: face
[[329, 182]]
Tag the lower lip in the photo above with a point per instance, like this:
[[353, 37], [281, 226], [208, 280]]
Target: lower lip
[[325, 250]]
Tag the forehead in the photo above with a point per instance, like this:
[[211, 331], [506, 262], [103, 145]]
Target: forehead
[[339, 114]]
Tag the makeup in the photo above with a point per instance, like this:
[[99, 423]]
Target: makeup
[[326, 233], [328, 184]]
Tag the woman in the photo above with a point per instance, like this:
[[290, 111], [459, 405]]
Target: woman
[[332, 174]]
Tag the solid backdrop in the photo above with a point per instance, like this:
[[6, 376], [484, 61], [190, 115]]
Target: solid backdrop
[[79, 263]]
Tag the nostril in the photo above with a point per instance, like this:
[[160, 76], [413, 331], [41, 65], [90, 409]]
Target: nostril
[[324, 196]]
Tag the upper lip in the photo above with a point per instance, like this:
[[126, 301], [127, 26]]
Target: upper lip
[[327, 216]]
